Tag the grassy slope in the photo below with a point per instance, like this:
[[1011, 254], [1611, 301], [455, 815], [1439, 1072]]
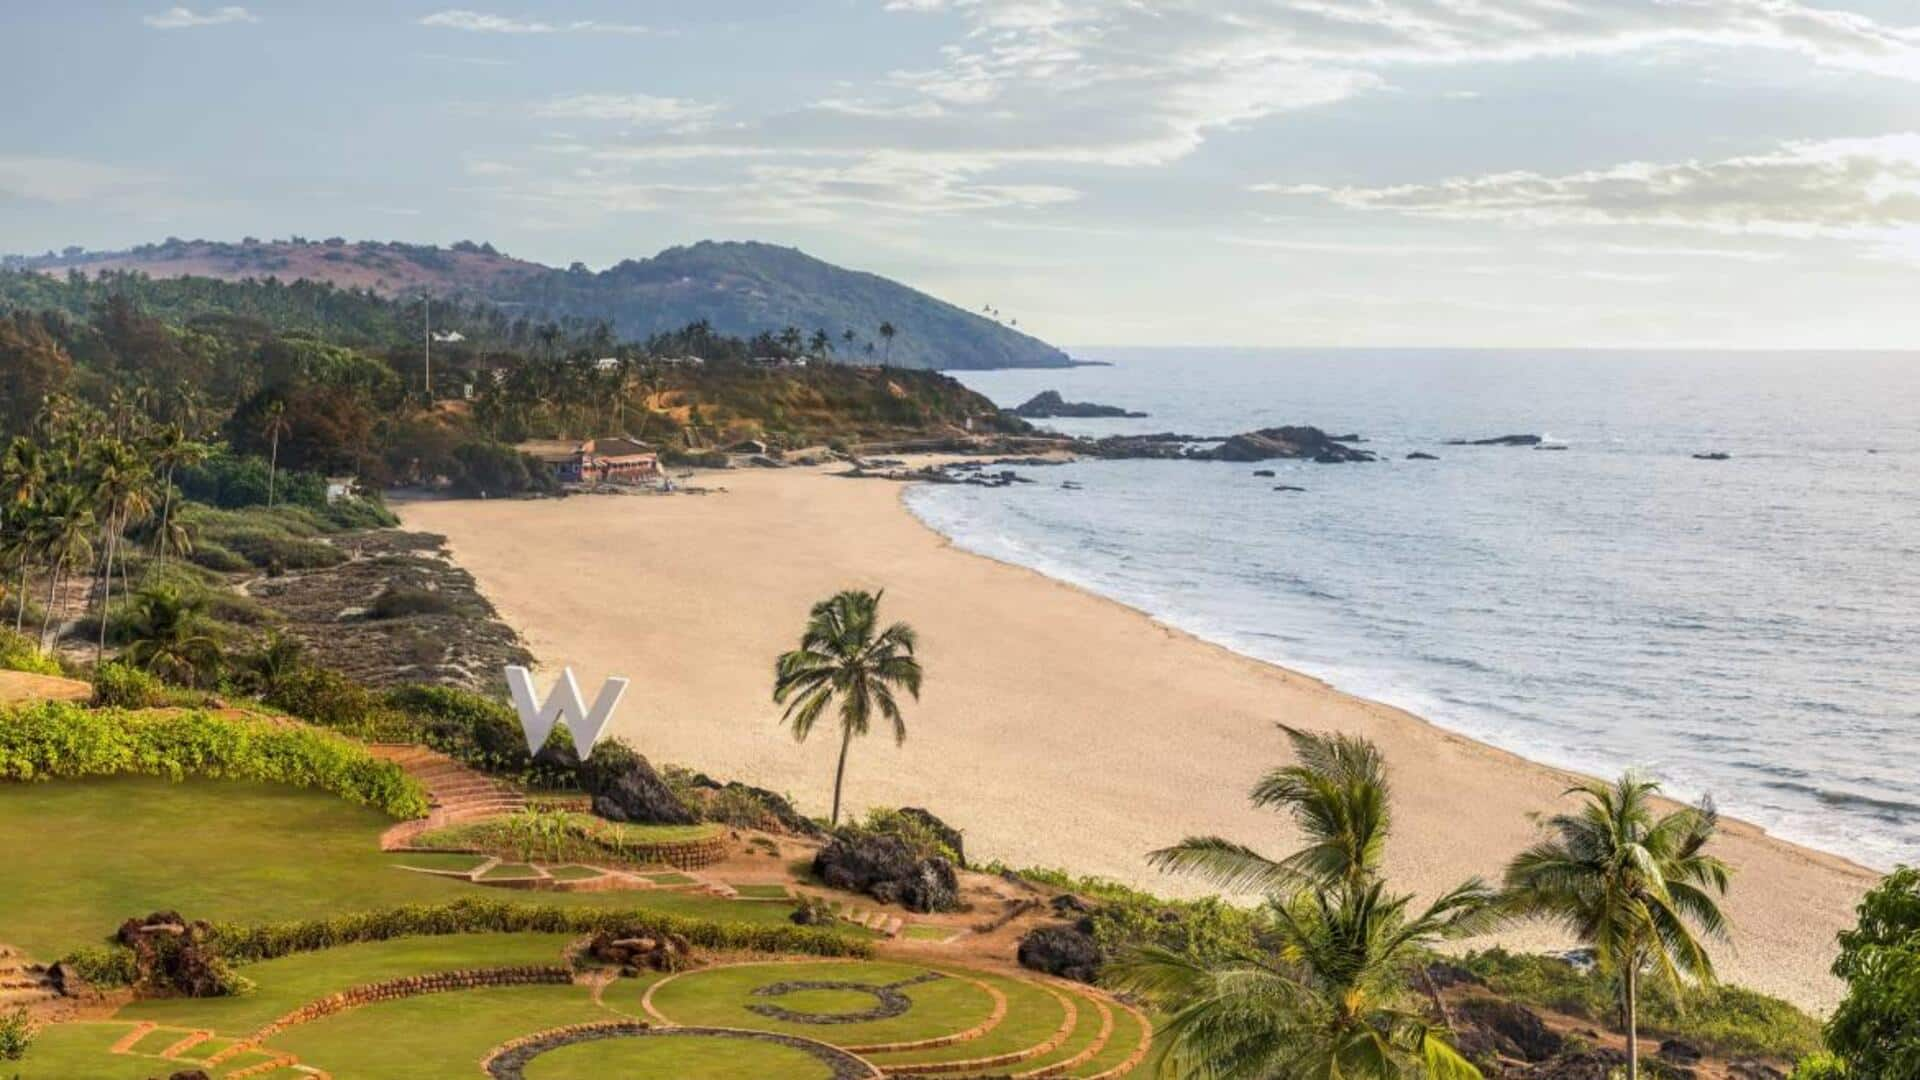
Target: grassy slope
[[98, 852]]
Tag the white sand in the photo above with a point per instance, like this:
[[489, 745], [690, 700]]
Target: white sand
[[1057, 728]]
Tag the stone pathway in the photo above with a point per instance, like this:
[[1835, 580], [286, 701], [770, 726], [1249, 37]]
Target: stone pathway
[[177, 1045]]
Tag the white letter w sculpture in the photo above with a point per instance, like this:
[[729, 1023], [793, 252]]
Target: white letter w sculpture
[[563, 704]]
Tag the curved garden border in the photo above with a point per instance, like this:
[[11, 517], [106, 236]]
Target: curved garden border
[[509, 1061], [889, 1002]]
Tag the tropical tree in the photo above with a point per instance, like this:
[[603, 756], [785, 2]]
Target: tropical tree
[[23, 473], [887, 332], [62, 531], [168, 635], [120, 493], [1873, 1029], [273, 424], [279, 657], [845, 657], [820, 344], [172, 449], [1636, 885], [1326, 995]]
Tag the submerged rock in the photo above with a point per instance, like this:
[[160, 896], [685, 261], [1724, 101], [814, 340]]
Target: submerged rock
[[1498, 440], [1284, 442], [1421, 455], [1715, 455]]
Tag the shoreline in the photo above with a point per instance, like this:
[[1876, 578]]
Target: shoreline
[[1058, 727]]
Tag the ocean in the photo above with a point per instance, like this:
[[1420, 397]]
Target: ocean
[[1747, 629]]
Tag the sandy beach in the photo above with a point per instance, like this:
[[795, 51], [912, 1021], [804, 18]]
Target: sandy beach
[[1056, 728]]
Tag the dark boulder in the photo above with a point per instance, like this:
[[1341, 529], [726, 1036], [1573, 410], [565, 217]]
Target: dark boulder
[[1498, 440], [888, 869], [1513, 1025], [1680, 1052], [812, 911], [1068, 904], [949, 836], [1049, 403], [1599, 1064], [634, 953], [1065, 951], [625, 788], [1754, 1069], [1422, 455], [1287, 487], [1263, 472], [1283, 442], [67, 981], [1444, 975]]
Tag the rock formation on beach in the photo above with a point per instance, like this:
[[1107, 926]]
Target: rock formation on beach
[[1285, 442], [1049, 403]]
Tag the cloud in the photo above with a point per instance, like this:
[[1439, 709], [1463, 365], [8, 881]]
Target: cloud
[[1831, 187], [180, 18], [677, 115], [484, 23]]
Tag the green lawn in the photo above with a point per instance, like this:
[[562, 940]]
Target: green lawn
[[763, 892], [441, 860], [509, 872], [594, 838], [291, 981], [1033, 1015], [683, 1057], [67, 1051], [436, 1036], [718, 997], [85, 855]]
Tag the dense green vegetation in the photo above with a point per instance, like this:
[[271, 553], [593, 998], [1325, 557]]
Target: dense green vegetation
[[60, 740], [1874, 1033]]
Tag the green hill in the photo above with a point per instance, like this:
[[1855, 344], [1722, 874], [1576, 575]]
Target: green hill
[[739, 288]]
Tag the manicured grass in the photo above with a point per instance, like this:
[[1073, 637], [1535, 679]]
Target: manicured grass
[[718, 997], [436, 1036], [292, 981], [924, 932], [590, 839], [440, 860], [510, 872], [680, 1057], [1033, 1015], [1125, 1039], [573, 873], [763, 892], [80, 1050], [669, 878], [92, 853]]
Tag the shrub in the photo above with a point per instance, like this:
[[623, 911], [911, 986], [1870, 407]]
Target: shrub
[[118, 685], [248, 944], [1820, 1066], [484, 732], [400, 601], [218, 557], [1873, 1030], [16, 1034], [103, 965], [51, 740], [918, 834], [19, 653]]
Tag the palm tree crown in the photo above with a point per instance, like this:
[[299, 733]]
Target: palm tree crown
[[844, 657], [1633, 884], [1328, 996]]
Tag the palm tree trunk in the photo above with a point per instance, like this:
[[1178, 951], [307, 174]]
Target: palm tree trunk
[[166, 516], [20, 610], [53, 589], [1633, 1020], [840, 773], [273, 467], [106, 594]]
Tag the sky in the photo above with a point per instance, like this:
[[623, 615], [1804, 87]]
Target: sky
[[1662, 173]]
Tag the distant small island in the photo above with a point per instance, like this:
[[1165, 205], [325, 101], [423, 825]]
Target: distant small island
[[1048, 404], [1498, 440]]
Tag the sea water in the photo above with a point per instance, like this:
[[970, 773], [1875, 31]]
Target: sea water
[[1747, 629]]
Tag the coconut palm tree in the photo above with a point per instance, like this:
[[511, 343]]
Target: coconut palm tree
[[270, 665], [1635, 885], [23, 473], [273, 424], [65, 523], [887, 332], [120, 492], [1327, 995], [172, 449], [844, 657], [169, 636]]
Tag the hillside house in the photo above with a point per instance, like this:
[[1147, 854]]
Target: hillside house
[[615, 460]]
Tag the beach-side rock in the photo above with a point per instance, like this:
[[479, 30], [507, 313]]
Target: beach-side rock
[[778, 810], [1065, 951], [1283, 442], [1597, 1064], [1512, 1023], [888, 869], [1349, 437], [1049, 403], [625, 788], [949, 836], [1498, 440], [68, 982], [1162, 445], [1422, 455], [1068, 904]]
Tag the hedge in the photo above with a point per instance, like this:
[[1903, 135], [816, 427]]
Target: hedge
[[19, 653], [242, 944], [51, 740]]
